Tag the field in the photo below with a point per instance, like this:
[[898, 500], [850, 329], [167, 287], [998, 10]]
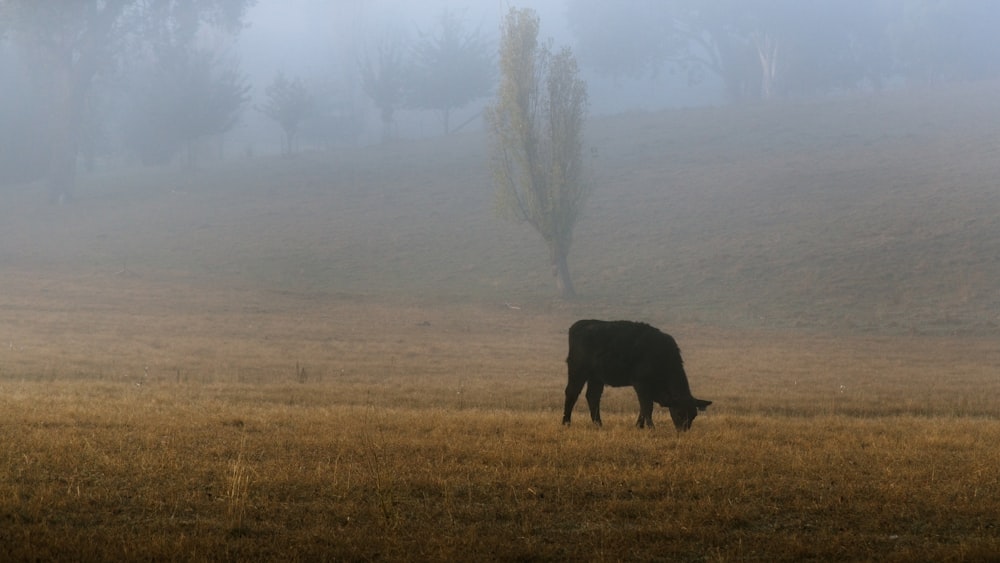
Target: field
[[345, 356]]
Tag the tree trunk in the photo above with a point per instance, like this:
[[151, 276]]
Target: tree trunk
[[767, 52], [560, 269], [387, 123]]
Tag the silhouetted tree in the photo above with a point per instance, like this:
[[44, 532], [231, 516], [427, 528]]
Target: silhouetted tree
[[23, 144], [758, 48], [336, 118], [536, 125], [383, 81], [630, 38], [72, 42], [946, 40], [450, 69], [189, 95], [289, 103]]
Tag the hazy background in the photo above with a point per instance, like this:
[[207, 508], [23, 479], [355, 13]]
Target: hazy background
[[313, 38], [829, 163], [123, 77]]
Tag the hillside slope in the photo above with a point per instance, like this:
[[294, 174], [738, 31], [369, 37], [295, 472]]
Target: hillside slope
[[879, 214]]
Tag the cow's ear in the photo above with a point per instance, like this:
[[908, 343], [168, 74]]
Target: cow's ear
[[701, 404]]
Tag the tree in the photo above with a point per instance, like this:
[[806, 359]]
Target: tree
[[629, 38], [759, 48], [450, 69], [383, 81], [946, 40], [801, 48], [189, 95], [335, 118], [73, 42], [23, 148], [536, 127], [289, 103]]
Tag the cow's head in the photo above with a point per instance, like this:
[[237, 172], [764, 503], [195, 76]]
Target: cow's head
[[683, 411]]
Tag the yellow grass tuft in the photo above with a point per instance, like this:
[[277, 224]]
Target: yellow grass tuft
[[238, 495]]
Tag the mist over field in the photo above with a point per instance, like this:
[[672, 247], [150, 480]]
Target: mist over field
[[743, 167], [268, 288]]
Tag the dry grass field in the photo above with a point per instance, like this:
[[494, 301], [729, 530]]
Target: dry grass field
[[344, 356]]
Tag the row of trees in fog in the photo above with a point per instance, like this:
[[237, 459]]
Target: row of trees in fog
[[765, 49], [155, 80], [154, 67]]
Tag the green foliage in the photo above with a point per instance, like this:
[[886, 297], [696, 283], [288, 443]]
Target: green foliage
[[289, 103], [450, 69], [537, 128]]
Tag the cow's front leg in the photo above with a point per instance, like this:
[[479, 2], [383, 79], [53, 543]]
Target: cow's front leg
[[645, 410], [594, 391]]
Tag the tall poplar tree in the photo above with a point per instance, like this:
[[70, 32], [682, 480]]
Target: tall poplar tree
[[536, 126]]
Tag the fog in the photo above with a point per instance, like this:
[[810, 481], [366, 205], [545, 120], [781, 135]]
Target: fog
[[172, 88], [324, 41], [320, 43], [117, 84], [314, 38]]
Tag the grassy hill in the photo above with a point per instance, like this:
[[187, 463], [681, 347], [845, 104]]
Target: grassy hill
[[876, 214]]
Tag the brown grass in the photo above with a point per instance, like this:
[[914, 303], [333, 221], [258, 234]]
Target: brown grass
[[370, 367], [424, 441]]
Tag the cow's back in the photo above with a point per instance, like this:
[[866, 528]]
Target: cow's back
[[628, 339], [614, 351]]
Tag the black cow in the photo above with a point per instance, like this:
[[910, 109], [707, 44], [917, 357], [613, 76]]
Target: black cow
[[626, 353]]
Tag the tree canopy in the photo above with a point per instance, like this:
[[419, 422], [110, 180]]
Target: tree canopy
[[188, 95], [450, 68], [71, 43], [289, 103], [383, 79], [762, 49]]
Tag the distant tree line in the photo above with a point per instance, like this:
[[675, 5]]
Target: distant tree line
[[155, 68], [443, 70], [154, 80], [765, 49]]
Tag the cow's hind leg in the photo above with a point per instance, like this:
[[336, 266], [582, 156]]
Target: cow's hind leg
[[594, 391], [573, 389]]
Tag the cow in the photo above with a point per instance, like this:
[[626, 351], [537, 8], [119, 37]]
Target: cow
[[629, 354]]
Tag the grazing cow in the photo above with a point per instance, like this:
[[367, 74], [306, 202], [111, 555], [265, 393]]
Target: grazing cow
[[626, 353]]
